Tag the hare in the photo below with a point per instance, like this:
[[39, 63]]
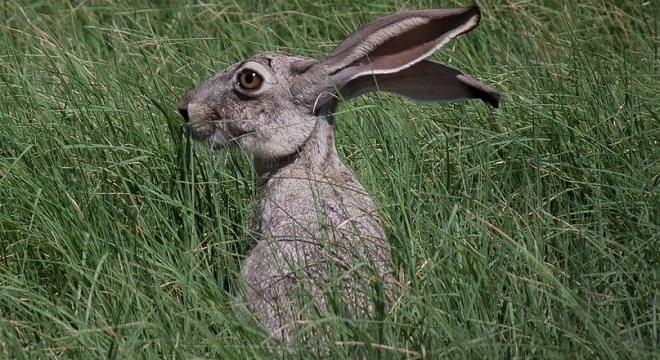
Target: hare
[[317, 229]]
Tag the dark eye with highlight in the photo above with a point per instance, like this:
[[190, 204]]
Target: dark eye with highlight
[[249, 79]]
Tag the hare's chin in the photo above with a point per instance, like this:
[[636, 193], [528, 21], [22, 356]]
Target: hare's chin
[[200, 131]]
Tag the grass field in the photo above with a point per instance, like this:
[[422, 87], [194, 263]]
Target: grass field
[[526, 232]]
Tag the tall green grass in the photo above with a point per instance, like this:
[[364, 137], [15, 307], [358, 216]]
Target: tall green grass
[[526, 232]]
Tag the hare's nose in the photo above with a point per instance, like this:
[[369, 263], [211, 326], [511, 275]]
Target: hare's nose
[[183, 110], [184, 104]]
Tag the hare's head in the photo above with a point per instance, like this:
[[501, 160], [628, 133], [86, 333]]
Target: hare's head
[[268, 105]]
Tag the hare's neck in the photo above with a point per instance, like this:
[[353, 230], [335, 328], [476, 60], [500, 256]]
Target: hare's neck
[[317, 154]]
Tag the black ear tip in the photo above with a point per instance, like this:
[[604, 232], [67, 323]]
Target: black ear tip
[[478, 90], [472, 12], [487, 95], [474, 9], [494, 100]]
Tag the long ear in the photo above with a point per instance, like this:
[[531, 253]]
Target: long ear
[[387, 54], [395, 42], [424, 81]]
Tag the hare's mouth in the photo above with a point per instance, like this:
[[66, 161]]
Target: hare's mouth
[[199, 131]]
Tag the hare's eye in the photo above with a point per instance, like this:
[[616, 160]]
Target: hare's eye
[[249, 79]]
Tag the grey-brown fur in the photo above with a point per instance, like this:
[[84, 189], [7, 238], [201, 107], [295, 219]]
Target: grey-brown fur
[[318, 230]]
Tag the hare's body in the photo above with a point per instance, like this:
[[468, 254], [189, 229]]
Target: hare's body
[[316, 226], [319, 237]]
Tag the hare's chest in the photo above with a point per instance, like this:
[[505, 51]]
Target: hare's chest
[[289, 208], [308, 208]]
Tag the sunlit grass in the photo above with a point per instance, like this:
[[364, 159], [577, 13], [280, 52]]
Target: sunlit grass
[[529, 231]]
